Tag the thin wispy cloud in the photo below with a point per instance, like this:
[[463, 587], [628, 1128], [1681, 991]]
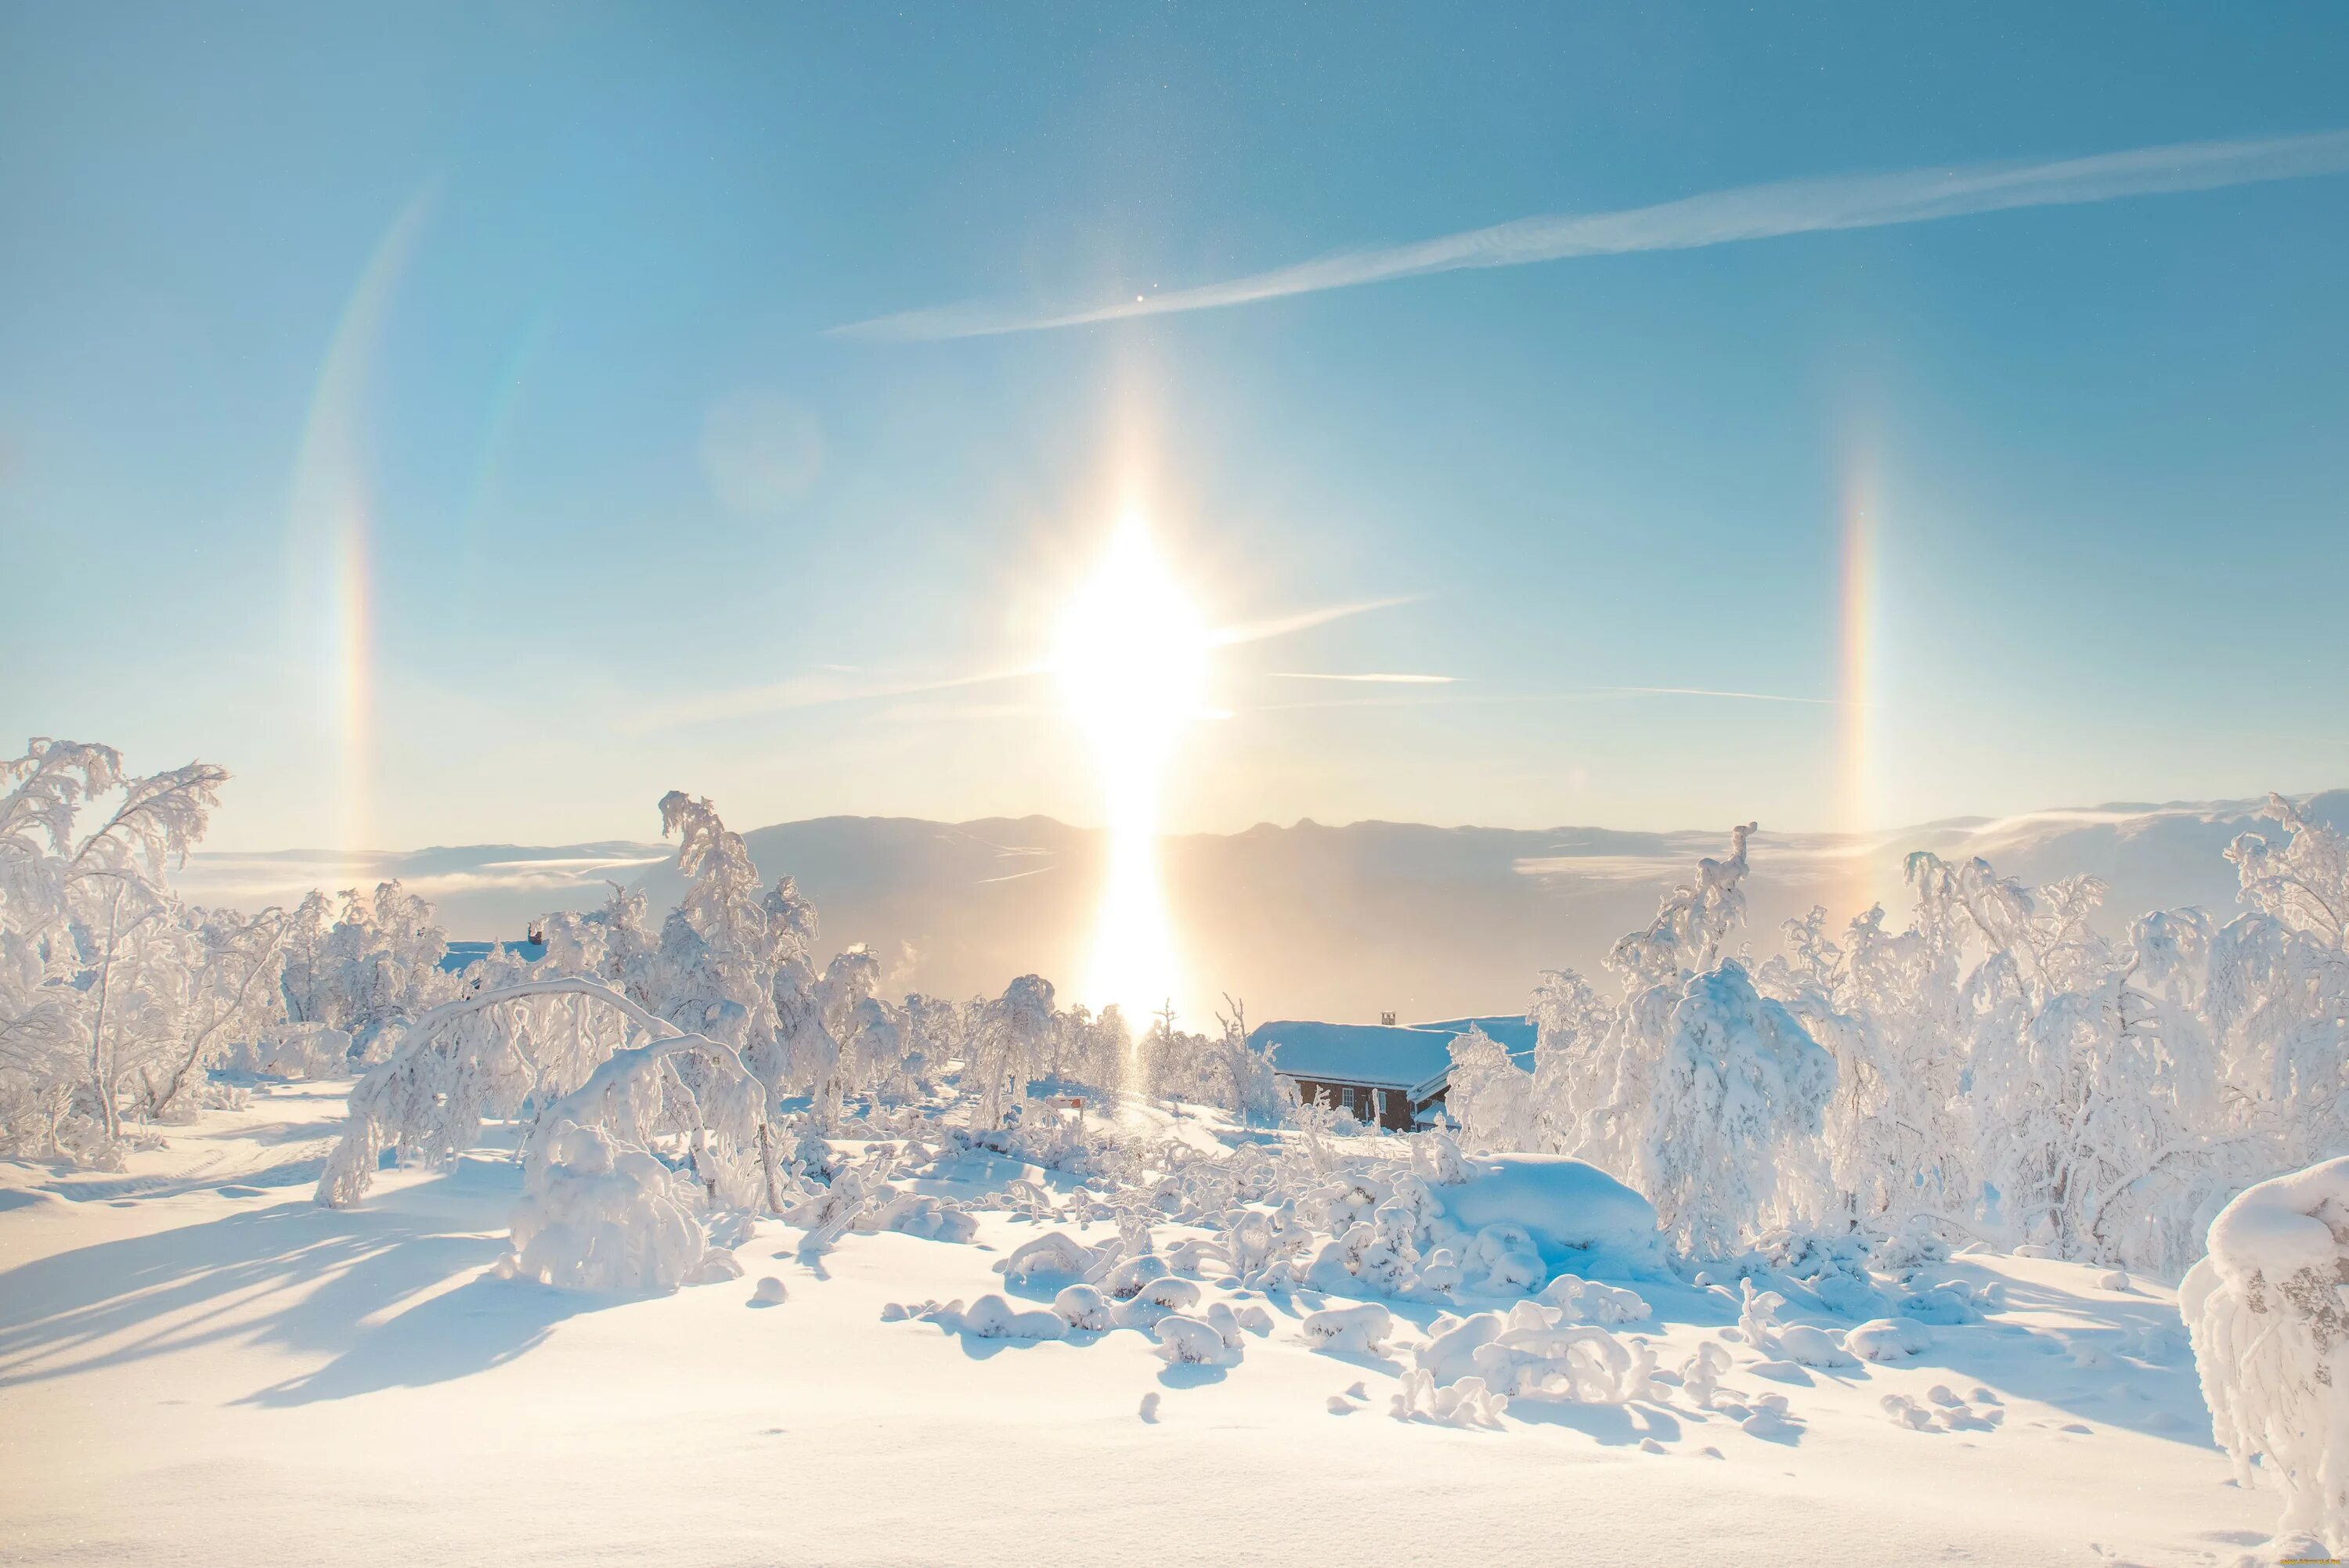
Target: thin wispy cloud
[[822, 689], [1372, 677], [830, 684], [1804, 206], [1736, 696], [1483, 697], [1303, 619]]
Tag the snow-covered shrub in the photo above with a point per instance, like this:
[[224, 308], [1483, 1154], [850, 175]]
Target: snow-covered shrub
[[1191, 1341], [1535, 1354], [992, 1317], [1126, 1277], [1757, 1317], [1700, 1373], [597, 1215], [1054, 1252], [1082, 1306], [1502, 1258], [2268, 1311], [1360, 1330], [1467, 1403], [1167, 1293]]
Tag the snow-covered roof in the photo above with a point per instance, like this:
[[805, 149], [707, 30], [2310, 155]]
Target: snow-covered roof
[[1386, 1055], [461, 954]]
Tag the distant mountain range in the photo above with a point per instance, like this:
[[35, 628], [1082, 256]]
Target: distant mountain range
[[1301, 921]]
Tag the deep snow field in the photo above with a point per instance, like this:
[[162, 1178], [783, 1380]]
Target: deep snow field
[[198, 1364]]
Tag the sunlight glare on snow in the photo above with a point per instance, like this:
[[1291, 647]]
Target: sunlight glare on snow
[[1133, 662]]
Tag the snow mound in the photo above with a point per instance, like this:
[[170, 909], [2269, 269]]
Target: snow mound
[[1573, 1211], [1947, 1304], [1808, 1347], [920, 1216], [1589, 1300], [1889, 1339], [2268, 1311]]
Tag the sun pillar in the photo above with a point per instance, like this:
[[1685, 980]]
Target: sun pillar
[[1132, 666]]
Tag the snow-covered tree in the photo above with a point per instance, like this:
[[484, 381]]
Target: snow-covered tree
[[1738, 1097], [1249, 1082], [1009, 1038], [2268, 1311], [1885, 1006], [522, 1048], [1488, 1096], [720, 947], [2278, 989], [378, 964], [230, 994], [1693, 922], [111, 988]]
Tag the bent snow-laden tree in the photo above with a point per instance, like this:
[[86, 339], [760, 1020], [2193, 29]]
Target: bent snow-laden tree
[[541, 1045], [600, 1208]]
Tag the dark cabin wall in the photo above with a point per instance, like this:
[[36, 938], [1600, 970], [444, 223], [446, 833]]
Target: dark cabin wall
[[1389, 1108]]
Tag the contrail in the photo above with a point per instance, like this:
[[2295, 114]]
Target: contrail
[[1376, 677], [1803, 206]]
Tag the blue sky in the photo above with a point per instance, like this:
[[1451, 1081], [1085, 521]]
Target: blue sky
[[634, 505]]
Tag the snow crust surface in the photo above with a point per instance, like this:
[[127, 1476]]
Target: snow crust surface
[[200, 1365]]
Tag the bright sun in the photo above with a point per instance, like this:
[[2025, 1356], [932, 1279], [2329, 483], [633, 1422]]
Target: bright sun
[[1133, 664]]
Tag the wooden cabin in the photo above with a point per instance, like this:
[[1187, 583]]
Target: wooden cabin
[[1386, 1075]]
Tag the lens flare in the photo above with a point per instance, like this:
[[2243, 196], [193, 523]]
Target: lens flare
[[1133, 664]]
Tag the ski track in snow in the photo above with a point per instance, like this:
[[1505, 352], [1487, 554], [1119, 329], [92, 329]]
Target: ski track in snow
[[199, 1366]]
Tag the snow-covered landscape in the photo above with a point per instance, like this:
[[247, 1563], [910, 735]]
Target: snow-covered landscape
[[301, 1220], [1224, 782], [204, 1367]]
